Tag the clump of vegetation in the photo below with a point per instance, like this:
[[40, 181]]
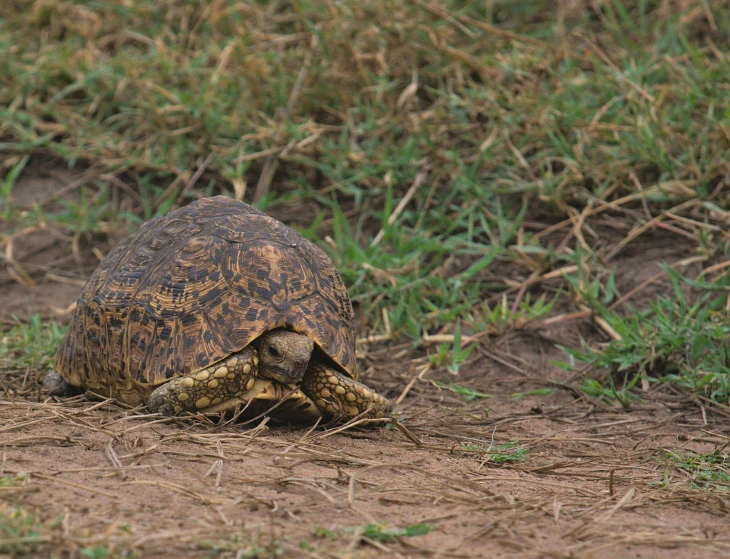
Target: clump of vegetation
[[31, 344], [383, 533], [376, 532], [680, 339], [466, 392], [705, 472], [504, 453], [23, 531]]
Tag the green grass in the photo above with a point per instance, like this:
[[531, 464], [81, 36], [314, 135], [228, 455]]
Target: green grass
[[466, 392], [25, 531], [244, 543], [452, 356], [504, 453], [678, 339], [535, 392], [14, 480], [102, 551], [30, 344], [383, 533], [430, 143], [378, 532], [22, 531], [705, 472]]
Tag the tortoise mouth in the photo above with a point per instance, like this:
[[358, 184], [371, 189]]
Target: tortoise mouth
[[280, 374]]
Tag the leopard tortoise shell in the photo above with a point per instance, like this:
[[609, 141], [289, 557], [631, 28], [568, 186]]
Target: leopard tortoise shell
[[212, 307]]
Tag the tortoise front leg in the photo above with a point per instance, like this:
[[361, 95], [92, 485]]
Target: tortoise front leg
[[338, 394], [215, 388]]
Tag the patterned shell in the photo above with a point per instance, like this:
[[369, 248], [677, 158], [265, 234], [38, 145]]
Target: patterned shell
[[190, 288]]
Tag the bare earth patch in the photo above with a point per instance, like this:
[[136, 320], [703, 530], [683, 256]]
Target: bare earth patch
[[595, 482], [551, 475]]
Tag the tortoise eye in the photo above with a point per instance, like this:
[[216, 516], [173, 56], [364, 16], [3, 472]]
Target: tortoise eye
[[274, 352]]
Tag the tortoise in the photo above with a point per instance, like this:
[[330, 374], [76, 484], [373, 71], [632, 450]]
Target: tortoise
[[213, 307]]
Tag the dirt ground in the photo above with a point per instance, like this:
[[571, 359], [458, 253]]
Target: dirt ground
[[595, 481]]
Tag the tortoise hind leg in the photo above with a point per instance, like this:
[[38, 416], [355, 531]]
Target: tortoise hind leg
[[56, 386], [338, 394], [215, 388]]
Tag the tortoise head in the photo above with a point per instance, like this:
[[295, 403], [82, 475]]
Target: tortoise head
[[283, 355]]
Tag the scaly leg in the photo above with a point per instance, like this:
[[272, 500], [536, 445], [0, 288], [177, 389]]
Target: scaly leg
[[218, 387], [338, 394]]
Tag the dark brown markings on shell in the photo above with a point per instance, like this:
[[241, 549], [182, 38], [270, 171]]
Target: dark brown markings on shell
[[189, 289], [329, 283], [270, 272]]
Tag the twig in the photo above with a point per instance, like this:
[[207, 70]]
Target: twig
[[420, 177]]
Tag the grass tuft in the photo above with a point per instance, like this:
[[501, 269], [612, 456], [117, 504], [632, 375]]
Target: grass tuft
[[705, 472], [31, 344], [23, 532], [680, 339], [504, 453], [382, 533]]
